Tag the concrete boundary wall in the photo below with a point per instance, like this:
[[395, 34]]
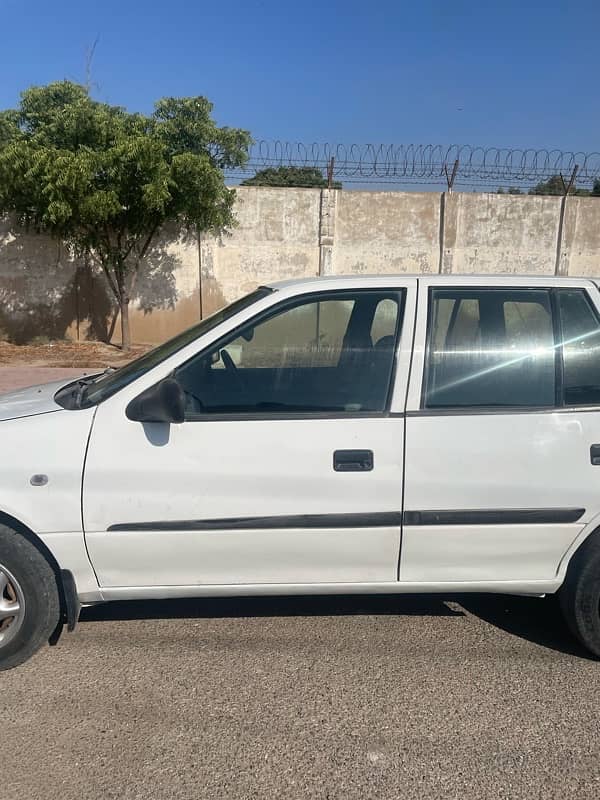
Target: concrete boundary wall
[[293, 233]]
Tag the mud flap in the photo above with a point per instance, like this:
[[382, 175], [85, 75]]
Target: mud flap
[[70, 606]]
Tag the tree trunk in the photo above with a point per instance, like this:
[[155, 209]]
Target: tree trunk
[[116, 274], [125, 331]]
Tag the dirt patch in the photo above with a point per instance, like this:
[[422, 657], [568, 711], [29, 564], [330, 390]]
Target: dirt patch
[[67, 354]]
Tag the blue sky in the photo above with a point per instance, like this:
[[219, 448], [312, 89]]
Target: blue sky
[[518, 74]]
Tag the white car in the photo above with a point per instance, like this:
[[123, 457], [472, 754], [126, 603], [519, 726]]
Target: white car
[[353, 434]]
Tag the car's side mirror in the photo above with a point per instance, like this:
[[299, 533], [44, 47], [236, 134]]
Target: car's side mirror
[[163, 402]]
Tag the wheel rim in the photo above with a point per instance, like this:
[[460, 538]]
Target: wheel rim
[[12, 606]]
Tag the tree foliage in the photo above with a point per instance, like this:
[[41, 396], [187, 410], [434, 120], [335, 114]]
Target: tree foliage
[[301, 177], [106, 181], [555, 186], [510, 190]]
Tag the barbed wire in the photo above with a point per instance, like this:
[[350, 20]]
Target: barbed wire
[[379, 163]]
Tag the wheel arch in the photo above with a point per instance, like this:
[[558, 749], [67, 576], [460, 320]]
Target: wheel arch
[[65, 581], [577, 547]]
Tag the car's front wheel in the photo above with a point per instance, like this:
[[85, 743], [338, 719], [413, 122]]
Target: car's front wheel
[[580, 594], [29, 599]]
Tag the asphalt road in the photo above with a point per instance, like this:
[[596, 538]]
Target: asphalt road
[[408, 697], [375, 697]]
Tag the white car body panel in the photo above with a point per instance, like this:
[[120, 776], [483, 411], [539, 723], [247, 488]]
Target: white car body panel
[[526, 587], [245, 557], [52, 444], [135, 473], [484, 552], [502, 461], [71, 554], [240, 469], [30, 401], [496, 461]]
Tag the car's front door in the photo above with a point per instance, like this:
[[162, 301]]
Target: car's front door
[[288, 468]]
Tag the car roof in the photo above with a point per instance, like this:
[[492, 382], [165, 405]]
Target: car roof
[[463, 279]]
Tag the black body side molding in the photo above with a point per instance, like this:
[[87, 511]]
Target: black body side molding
[[491, 516], [383, 519], [374, 520]]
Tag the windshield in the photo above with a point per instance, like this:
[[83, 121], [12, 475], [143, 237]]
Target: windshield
[[98, 388]]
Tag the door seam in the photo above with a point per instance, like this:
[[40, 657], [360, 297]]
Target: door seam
[[409, 377]]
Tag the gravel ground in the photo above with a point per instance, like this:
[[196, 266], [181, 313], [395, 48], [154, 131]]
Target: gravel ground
[[375, 697], [66, 354], [12, 378]]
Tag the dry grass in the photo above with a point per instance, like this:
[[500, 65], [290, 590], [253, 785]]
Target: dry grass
[[67, 354]]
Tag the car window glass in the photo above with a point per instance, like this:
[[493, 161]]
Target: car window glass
[[385, 320], [315, 355], [490, 347], [581, 348], [527, 323], [307, 336], [463, 327]]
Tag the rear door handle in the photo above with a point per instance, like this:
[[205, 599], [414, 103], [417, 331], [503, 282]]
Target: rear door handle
[[353, 460], [595, 455]]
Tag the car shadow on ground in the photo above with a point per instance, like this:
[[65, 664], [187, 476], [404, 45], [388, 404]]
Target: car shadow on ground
[[272, 606], [537, 620], [533, 619]]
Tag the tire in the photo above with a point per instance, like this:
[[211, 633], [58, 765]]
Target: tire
[[580, 594], [27, 584]]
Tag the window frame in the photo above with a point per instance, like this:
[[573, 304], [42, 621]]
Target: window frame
[[559, 398], [397, 292], [596, 316]]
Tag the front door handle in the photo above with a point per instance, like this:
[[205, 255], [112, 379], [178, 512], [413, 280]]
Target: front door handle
[[595, 455], [353, 460]]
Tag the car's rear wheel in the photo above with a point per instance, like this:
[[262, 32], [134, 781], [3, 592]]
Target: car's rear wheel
[[580, 594], [29, 599]]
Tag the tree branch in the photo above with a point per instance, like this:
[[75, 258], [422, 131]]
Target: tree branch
[[144, 249], [106, 269], [129, 248], [110, 280], [141, 255]]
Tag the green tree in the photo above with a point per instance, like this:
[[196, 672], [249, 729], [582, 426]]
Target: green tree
[[301, 177], [106, 181], [510, 190], [596, 188], [555, 186]]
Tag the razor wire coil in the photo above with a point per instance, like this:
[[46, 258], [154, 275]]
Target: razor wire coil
[[424, 162]]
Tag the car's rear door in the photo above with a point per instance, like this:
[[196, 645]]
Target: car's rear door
[[289, 466], [504, 406]]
